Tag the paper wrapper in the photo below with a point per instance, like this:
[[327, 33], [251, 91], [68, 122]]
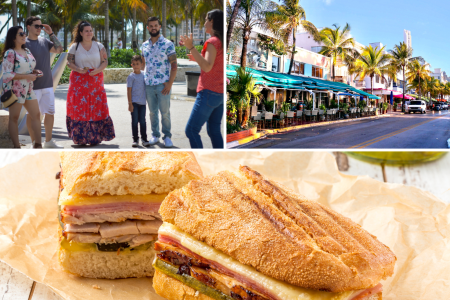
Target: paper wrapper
[[413, 223]]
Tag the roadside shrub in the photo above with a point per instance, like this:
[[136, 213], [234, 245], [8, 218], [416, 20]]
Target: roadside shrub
[[121, 58], [181, 51]]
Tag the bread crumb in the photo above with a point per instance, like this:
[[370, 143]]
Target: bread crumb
[[118, 251], [96, 287], [196, 293]]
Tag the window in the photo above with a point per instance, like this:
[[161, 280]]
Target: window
[[298, 68], [317, 72], [377, 79], [316, 49], [275, 64]]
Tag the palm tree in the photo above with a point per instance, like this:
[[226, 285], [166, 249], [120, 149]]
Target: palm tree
[[401, 56], [232, 19], [251, 14], [417, 71], [285, 19], [337, 43], [373, 62], [241, 89], [14, 12]]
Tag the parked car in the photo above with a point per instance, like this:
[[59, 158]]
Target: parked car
[[445, 106], [415, 106], [438, 106]]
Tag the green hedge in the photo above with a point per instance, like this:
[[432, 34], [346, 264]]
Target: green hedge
[[181, 51]]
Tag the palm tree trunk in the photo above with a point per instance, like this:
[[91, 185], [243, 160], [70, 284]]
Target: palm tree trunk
[[14, 12], [144, 33], [164, 21], [371, 84], [124, 31], [28, 8], [107, 28], [133, 35], [403, 89], [112, 40], [65, 33], [187, 23], [176, 34], [245, 37], [232, 20], [293, 52]]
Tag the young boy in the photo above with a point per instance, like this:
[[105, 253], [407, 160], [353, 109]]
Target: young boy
[[137, 101]]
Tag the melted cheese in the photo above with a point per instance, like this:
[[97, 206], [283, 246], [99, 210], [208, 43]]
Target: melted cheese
[[276, 287], [66, 199]]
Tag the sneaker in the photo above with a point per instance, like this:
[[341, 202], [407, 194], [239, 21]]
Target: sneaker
[[52, 144], [145, 143], [32, 144], [168, 142], [135, 144], [153, 140]]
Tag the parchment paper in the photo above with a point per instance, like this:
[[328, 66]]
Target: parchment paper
[[412, 222]]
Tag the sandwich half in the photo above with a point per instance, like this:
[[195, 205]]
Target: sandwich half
[[242, 236], [108, 209]]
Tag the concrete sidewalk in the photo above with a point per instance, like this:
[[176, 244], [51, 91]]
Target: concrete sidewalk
[[180, 110]]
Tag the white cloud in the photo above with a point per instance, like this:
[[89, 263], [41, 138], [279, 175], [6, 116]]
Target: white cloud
[[327, 2]]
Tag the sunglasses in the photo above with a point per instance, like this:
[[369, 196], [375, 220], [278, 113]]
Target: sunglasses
[[22, 34], [38, 26]]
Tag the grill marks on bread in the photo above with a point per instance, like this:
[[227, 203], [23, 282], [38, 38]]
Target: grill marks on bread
[[332, 232], [281, 235]]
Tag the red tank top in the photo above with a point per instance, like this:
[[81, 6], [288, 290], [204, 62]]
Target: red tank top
[[212, 80]]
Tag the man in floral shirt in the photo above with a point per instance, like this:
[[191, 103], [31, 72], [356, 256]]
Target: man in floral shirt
[[160, 64]]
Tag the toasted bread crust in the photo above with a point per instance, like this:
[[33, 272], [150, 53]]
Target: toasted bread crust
[[84, 172], [172, 289], [264, 225]]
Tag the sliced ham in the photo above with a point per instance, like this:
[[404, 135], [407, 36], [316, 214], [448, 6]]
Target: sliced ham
[[245, 280], [149, 227], [369, 292], [110, 207], [88, 227], [82, 218], [108, 230]]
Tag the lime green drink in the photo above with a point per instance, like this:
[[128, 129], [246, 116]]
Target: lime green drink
[[396, 158]]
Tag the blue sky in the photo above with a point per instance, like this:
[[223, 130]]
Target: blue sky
[[384, 20]]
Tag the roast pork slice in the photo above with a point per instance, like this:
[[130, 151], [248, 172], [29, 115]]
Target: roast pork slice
[[148, 227], [88, 227], [142, 239], [84, 237], [128, 227]]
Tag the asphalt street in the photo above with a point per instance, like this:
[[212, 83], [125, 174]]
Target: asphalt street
[[399, 131], [180, 110]]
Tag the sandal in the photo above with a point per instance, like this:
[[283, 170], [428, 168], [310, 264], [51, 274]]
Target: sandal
[[37, 146]]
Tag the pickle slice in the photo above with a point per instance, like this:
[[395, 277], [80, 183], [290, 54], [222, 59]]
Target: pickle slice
[[113, 247], [190, 281]]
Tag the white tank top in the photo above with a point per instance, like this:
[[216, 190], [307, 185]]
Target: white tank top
[[83, 58]]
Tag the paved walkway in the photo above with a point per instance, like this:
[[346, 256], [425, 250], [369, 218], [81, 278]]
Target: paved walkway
[[180, 110]]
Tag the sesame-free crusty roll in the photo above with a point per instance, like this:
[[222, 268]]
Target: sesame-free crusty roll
[[279, 235]]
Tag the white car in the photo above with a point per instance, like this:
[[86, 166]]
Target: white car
[[415, 106]]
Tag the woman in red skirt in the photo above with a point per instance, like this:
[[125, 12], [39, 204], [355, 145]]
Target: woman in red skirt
[[88, 120]]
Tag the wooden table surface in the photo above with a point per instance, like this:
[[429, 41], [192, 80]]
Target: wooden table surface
[[433, 177]]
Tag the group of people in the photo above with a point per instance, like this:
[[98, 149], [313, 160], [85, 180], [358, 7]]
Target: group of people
[[26, 71]]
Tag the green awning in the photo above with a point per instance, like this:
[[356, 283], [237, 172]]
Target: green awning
[[286, 81]]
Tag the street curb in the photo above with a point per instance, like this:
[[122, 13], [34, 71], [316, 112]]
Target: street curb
[[268, 132]]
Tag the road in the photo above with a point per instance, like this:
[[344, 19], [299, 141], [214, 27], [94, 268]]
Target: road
[[180, 110], [399, 131]]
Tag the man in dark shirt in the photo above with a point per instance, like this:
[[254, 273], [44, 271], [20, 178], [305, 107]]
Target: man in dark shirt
[[43, 86]]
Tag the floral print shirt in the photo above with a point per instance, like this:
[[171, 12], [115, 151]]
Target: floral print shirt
[[23, 88], [157, 66]]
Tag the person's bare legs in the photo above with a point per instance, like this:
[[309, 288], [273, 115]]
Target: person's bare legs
[[49, 120], [13, 124], [35, 123], [30, 130]]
